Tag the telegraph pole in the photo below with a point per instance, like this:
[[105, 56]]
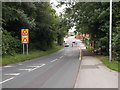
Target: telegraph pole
[[110, 33]]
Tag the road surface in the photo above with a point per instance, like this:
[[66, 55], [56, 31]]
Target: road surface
[[56, 70]]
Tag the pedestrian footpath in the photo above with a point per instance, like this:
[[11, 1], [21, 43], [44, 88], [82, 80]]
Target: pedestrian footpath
[[93, 74]]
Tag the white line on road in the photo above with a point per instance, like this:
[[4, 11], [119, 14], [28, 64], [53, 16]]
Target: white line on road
[[20, 64], [15, 74], [26, 69], [7, 80], [61, 57], [7, 66], [54, 60], [33, 66], [36, 67]]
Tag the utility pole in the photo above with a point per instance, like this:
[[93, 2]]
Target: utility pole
[[110, 33]]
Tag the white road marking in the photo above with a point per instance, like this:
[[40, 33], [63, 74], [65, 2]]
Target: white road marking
[[33, 66], [54, 60], [20, 64], [7, 80], [61, 57], [26, 69], [7, 66], [36, 67], [15, 74]]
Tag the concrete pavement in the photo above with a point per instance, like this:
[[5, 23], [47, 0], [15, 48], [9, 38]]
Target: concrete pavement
[[93, 74]]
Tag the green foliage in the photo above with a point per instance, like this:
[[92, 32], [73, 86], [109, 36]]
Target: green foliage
[[93, 18], [0, 42], [114, 65], [39, 17], [116, 45], [116, 31], [10, 45], [14, 19]]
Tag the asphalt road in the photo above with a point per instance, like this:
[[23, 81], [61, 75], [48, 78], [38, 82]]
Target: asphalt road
[[56, 70]]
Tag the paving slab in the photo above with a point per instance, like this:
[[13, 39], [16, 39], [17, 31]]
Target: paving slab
[[93, 74]]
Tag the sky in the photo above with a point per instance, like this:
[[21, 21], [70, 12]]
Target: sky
[[60, 10]]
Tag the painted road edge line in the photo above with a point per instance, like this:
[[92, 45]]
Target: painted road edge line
[[7, 80], [79, 67], [80, 58]]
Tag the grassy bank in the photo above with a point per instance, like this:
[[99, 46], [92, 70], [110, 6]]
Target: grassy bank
[[32, 54], [114, 65]]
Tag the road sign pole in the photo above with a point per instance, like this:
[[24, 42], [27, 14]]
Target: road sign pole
[[23, 49], [27, 48], [110, 33]]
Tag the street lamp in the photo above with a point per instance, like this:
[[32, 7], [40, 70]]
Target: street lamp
[[110, 33]]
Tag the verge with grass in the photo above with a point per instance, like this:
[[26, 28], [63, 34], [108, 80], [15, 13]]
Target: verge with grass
[[114, 65], [32, 54]]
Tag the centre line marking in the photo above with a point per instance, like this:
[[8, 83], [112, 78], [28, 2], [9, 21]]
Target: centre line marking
[[54, 60], [15, 74], [7, 80]]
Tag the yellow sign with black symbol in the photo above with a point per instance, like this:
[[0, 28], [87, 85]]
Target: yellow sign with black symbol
[[24, 36]]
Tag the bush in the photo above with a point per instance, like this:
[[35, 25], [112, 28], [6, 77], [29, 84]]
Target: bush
[[116, 45], [10, 45]]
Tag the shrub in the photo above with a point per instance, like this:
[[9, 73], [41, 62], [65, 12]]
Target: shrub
[[10, 45]]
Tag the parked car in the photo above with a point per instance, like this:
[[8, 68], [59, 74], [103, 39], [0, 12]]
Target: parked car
[[66, 45], [73, 41]]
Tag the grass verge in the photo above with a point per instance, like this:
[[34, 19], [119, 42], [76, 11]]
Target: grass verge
[[114, 65], [32, 54]]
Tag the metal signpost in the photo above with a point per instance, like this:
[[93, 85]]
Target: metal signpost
[[25, 39]]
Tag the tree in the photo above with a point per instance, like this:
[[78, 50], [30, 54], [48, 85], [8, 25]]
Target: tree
[[93, 18], [41, 20]]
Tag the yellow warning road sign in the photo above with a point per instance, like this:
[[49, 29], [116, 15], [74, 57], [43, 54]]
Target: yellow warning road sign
[[24, 36]]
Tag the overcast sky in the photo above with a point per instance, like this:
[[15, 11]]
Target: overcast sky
[[60, 10]]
